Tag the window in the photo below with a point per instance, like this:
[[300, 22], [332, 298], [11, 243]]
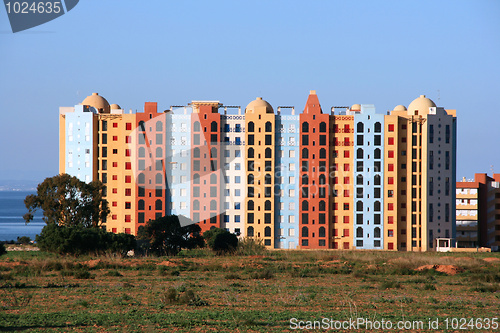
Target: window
[[322, 127], [128, 126], [305, 140], [391, 128], [360, 127], [128, 179], [128, 192], [128, 165], [196, 139], [390, 141], [390, 233], [359, 140], [390, 167], [214, 127]]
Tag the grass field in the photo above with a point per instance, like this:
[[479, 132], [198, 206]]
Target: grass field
[[200, 292]]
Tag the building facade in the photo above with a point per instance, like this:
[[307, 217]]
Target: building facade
[[350, 178], [478, 211]]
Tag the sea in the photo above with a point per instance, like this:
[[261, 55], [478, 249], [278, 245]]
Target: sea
[[12, 224]]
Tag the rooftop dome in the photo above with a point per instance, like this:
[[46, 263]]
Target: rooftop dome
[[259, 102], [400, 108], [115, 107], [421, 104], [356, 107], [98, 102]]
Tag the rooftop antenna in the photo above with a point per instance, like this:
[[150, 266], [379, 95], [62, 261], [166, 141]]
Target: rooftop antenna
[[491, 167], [439, 97]]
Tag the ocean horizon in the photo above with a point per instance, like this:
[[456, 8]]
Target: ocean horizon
[[12, 224]]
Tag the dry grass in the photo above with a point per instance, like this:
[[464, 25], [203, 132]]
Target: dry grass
[[256, 293]]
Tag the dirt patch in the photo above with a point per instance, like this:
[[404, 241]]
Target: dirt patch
[[167, 263], [92, 263], [447, 269], [492, 259], [464, 258], [330, 263], [11, 264]]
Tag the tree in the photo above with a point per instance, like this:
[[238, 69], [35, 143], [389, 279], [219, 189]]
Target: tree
[[166, 236], [220, 240], [2, 249], [67, 201]]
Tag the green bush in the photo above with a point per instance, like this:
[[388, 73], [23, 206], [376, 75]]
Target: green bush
[[113, 273], [264, 275], [220, 240], [390, 285], [429, 286], [2, 249], [24, 240], [79, 240]]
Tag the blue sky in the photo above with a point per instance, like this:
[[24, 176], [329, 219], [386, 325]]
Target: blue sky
[[378, 52]]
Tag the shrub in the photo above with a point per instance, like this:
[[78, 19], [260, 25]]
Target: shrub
[[2, 249], [429, 286], [390, 285], [264, 274], [113, 273], [190, 298], [220, 240], [81, 274], [170, 296], [250, 247], [79, 240], [232, 276], [24, 240]]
